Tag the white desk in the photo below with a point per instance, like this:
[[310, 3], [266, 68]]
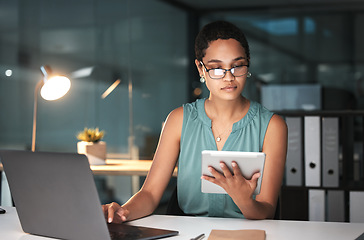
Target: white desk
[[189, 227]]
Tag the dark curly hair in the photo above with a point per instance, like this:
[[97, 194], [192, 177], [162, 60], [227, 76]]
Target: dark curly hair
[[219, 30]]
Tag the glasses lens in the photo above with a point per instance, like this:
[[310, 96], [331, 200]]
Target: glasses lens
[[239, 71], [217, 73]]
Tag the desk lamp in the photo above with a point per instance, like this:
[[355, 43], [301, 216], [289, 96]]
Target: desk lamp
[[51, 88]]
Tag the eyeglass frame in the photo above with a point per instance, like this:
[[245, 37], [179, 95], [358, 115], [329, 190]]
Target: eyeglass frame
[[225, 70]]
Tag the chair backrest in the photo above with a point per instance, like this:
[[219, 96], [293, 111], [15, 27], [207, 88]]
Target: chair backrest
[[277, 213], [173, 207]]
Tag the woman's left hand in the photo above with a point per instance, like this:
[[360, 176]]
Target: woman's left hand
[[233, 183]]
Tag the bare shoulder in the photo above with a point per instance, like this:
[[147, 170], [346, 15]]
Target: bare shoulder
[[173, 123], [276, 135], [176, 115], [277, 123], [175, 118]]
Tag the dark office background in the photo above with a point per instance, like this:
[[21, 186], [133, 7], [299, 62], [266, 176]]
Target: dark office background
[[305, 55], [148, 44]]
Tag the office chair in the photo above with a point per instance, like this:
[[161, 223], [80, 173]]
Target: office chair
[[173, 207]]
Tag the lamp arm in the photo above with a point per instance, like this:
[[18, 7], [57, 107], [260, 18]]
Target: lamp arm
[[36, 91]]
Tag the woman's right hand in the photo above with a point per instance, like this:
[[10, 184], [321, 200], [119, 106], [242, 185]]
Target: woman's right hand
[[115, 213]]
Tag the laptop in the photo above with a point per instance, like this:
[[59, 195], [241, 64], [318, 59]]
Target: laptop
[[55, 196]]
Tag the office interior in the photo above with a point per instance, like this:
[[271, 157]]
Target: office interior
[[307, 56]]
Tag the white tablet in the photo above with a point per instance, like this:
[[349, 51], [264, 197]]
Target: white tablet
[[248, 162]]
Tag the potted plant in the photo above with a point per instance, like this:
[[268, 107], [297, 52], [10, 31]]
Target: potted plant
[[91, 145]]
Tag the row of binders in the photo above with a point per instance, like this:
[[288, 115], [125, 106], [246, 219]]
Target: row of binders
[[313, 162], [306, 146], [330, 206]]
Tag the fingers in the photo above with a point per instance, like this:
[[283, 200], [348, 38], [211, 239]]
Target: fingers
[[225, 170], [254, 179], [110, 212], [114, 213], [210, 178], [220, 176], [228, 177], [255, 176], [233, 181], [122, 214], [105, 210], [236, 169], [253, 182]]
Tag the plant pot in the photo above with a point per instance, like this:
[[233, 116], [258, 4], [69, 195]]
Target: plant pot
[[95, 152]]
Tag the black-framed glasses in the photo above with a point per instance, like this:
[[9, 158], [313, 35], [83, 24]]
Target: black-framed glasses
[[218, 73]]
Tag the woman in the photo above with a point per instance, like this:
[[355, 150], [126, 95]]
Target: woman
[[224, 121]]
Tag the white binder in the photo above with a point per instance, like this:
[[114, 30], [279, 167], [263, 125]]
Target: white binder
[[335, 206], [316, 205], [294, 152], [5, 194], [312, 140], [356, 207], [330, 152]]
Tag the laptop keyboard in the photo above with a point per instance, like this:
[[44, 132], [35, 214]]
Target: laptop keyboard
[[124, 232]]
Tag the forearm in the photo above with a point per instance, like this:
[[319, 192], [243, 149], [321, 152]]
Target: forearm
[[253, 209], [140, 205]]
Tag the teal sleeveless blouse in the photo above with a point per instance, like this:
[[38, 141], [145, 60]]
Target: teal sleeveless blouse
[[247, 135]]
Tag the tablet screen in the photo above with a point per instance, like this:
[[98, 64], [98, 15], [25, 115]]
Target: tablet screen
[[248, 162]]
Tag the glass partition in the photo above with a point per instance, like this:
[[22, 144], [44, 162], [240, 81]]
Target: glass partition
[[142, 43], [304, 46]]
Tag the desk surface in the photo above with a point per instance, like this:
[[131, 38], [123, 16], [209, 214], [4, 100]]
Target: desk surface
[[124, 167], [189, 227], [121, 167]]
